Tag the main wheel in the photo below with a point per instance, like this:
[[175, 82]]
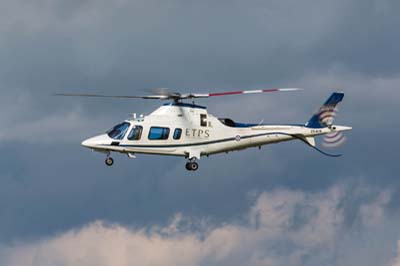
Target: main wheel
[[188, 166], [193, 166], [109, 161]]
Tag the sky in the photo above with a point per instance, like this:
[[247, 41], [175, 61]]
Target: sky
[[282, 205]]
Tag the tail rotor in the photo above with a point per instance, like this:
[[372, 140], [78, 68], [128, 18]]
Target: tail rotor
[[324, 118], [334, 139], [327, 114]]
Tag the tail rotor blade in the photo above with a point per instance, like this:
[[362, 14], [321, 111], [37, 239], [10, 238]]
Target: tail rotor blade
[[334, 140], [327, 115]]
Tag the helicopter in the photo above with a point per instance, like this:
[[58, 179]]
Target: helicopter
[[181, 128]]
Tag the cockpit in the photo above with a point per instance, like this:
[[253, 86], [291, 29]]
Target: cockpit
[[118, 132]]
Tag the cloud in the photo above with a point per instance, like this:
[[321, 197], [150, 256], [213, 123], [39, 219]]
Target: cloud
[[140, 44], [23, 120], [283, 227], [396, 261], [94, 45], [51, 127], [123, 46], [373, 213]]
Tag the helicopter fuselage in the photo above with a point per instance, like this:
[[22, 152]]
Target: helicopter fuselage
[[181, 129]]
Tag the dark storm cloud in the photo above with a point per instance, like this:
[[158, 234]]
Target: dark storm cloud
[[50, 184]]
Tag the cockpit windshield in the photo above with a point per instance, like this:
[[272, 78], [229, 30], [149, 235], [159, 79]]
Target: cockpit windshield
[[119, 131]]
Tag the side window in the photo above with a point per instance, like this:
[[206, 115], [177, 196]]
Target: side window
[[158, 133], [136, 133], [177, 133]]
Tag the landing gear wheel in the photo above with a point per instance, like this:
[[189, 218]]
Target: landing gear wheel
[[109, 161], [192, 166]]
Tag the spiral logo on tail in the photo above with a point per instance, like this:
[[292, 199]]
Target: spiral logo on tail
[[334, 139], [327, 114]]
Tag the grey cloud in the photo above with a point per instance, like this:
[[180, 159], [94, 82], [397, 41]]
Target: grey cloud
[[53, 186], [283, 227], [396, 261]]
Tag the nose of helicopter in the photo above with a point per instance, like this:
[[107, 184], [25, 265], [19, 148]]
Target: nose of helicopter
[[86, 143], [93, 142]]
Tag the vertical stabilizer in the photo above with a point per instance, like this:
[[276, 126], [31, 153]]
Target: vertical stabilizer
[[326, 113]]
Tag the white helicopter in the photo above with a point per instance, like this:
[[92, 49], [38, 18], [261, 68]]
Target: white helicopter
[[188, 130]]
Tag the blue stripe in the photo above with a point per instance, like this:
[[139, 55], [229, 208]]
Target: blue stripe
[[232, 139], [201, 143]]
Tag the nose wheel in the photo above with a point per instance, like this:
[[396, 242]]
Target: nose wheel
[[109, 161], [192, 166]]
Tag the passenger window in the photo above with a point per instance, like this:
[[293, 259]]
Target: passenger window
[[177, 133], [135, 133], [158, 133]]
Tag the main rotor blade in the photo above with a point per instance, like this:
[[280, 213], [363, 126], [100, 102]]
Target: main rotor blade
[[226, 93], [164, 94], [112, 96]]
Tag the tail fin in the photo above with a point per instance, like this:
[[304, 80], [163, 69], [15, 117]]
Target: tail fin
[[326, 113]]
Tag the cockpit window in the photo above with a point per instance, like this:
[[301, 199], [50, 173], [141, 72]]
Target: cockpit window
[[119, 131], [136, 133]]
